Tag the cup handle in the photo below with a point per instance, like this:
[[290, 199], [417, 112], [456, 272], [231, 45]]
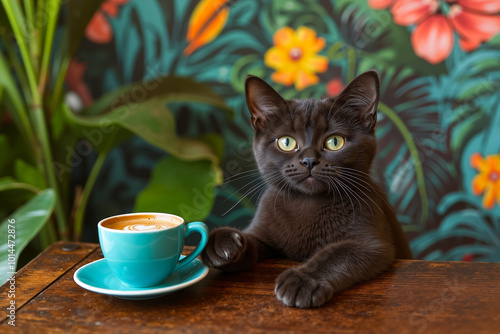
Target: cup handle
[[203, 230]]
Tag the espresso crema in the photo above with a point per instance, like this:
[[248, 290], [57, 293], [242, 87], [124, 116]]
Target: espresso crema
[[142, 224]]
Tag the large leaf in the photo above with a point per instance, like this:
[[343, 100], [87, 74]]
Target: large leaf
[[149, 117], [179, 187], [26, 173], [23, 225], [172, 88]]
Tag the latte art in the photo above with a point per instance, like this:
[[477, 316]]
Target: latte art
[[143, 224], [145, 227]]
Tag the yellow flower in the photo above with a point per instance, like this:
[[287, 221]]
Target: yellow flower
[[488, 179], [294, 57]]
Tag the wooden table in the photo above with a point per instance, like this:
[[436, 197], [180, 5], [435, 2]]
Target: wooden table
[[410, 297]]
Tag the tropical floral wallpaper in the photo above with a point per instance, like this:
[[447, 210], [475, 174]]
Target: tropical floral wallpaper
[[439, 112]]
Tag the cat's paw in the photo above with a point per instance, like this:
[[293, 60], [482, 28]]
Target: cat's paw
[[225, 245], [298, 289]]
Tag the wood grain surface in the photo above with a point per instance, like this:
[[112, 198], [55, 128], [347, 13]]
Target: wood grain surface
[[410, 297]]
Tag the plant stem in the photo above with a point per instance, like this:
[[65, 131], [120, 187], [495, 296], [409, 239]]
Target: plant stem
[[80, 211], [32, 33], [14, 60], [417, 164], [56, 93], [351, 64], [47, 48], [17, 109], [28, 9], [40, 10], [15, 18], [43, 136]]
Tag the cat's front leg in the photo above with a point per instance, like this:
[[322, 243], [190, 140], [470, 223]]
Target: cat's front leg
[[331, 270]]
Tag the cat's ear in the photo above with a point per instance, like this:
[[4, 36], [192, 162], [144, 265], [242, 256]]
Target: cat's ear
[[262, 101], [362, 96]]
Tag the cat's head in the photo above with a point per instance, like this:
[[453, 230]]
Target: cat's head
[[314, 146]]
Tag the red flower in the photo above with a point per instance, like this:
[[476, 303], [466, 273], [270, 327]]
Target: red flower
[[99, 30], [474, 21], [379, 4], [433, 39], [76, 83], [334, 87]]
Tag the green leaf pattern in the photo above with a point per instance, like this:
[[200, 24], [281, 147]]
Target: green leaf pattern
[[432, 118]]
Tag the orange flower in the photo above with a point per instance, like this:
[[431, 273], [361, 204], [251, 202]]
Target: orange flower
[[488, 179], [474, 21], [99, 30], [207, 21], [295, 58]]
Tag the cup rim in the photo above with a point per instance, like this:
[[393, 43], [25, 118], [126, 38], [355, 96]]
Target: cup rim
[[100, 226]]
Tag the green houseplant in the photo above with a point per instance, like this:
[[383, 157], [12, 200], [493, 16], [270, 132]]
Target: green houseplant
[[35, 165]]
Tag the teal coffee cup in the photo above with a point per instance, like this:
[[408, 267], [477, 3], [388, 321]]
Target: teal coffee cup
[[142, 249]]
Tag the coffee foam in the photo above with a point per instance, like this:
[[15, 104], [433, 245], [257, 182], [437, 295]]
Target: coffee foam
[[145, 227], [142, 223]]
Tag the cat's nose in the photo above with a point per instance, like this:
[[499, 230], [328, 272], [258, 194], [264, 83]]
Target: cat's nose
[[309, 163]]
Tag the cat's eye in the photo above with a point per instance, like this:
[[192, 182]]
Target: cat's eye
[[287, 143], [334, 143]]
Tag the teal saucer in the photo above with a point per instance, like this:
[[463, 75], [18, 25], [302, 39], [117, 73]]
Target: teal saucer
[[98, 277]]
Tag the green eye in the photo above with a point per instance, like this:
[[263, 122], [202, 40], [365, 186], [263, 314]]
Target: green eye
[[287, 143], [334, 143]]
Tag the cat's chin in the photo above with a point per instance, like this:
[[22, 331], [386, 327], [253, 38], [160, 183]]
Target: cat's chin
[[312, 186]]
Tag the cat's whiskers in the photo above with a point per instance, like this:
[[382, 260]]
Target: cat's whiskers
[[352, 172], [276, 176], [248, 192], [242, 187], [358, 175], [341, 185], [261, 192], [357, 181], [356, 171], [285, 180], [356, 195], [328, 177], [353, 183], [261, 184], [241, 175], [330, 189], [337, 189]]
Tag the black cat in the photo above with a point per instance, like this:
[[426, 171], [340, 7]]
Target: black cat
[[321, 206]]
